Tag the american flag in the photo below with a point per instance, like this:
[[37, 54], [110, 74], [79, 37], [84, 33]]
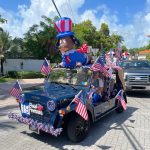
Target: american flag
[[81, 106], [46, 68], [99, 66], [121, 99], [16, 90]]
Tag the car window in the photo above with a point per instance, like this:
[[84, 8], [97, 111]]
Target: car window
[[135, 64]]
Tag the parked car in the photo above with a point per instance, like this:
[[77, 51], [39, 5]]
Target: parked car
[[51, 109], [136, 75]]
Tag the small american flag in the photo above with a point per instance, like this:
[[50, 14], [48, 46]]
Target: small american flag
[[16, 90], [99, 66], [121, 99], [46, 68], [81, 106]]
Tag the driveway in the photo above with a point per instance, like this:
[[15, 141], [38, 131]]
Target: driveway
[[129, 130]]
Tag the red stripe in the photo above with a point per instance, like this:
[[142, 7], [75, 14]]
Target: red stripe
[[45, 70], [70, 25], [15, 92], [63, 25], [81, 110]]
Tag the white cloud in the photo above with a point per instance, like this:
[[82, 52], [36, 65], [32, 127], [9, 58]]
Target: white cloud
[[19, 23], [133, 33]]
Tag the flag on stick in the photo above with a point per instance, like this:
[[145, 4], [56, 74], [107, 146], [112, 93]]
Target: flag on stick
[[46, 68], [81, 106], [120, 97], [16, 90]]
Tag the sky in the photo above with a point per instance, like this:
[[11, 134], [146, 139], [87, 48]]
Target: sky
[[129, 18]]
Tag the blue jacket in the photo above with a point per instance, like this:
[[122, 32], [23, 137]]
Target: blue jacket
[[72, 57]]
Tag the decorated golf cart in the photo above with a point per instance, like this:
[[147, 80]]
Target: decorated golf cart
[[65, 100]]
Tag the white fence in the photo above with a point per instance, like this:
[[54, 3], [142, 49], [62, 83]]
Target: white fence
[[22, 64]]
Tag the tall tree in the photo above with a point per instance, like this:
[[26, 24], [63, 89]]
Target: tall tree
[[85, 32], [40, 40], [2, 20], [5, 41]]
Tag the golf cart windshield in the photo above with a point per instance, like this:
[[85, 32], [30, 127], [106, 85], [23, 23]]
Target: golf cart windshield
[[78, 76]]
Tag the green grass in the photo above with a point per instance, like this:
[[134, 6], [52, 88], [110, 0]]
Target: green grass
[[5, 79]]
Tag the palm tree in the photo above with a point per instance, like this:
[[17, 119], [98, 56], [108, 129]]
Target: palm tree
[[5, 42], [2, 20]]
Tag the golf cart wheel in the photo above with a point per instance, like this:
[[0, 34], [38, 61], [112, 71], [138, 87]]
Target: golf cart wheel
[[77, 128]]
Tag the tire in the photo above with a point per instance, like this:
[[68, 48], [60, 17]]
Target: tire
[[77, 128]]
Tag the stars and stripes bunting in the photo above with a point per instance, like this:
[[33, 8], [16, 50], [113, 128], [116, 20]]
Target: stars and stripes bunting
[[81, 106], [16, 90], [46, 68]]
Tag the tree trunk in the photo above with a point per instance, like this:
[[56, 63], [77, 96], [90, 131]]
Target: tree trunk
[[2, 68]]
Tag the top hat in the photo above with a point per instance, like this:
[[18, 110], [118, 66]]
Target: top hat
[[64, 27]]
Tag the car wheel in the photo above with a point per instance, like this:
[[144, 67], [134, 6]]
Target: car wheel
[[77, 128]]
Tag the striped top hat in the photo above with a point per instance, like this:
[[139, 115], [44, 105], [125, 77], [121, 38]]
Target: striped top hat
[[64, 27]]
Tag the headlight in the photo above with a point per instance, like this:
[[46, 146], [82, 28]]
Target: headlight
[[51, 105]]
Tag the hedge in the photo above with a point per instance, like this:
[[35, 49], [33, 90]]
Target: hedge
[[24, 74]]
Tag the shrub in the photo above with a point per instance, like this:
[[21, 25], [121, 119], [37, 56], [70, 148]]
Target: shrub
[[25, 74]]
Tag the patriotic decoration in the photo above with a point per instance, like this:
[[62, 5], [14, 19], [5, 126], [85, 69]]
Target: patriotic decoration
[[16, 90], [99, 66], [46, 68], [83, 49], [81, 106], [40, 126], [120, 97], [63, 27]]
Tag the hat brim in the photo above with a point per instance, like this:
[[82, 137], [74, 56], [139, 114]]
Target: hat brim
[[64, 34]]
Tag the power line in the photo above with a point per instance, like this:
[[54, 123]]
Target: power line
[[56, 8]]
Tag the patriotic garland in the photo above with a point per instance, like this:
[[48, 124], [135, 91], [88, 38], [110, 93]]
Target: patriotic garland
[[41, 126]]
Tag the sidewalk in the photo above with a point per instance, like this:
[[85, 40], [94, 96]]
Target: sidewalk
[[6, 99]]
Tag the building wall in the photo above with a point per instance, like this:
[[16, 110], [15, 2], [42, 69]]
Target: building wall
[[22, 64]]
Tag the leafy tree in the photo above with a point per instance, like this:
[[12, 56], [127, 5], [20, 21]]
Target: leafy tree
[[5, 41], [2, 20], [104, 29], [85, 32], [148, 56], [40, 40]]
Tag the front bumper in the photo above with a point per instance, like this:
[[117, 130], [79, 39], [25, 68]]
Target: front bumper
[[39, 125], [130, 87]]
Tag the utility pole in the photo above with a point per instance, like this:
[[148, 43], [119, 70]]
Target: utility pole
[[56, 8]]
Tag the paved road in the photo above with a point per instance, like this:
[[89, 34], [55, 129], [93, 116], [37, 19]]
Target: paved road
[[127, 131]]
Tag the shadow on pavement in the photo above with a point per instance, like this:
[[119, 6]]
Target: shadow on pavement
[[4, 92], [97, 131], [7, 125], [139, 94], [7, 108]]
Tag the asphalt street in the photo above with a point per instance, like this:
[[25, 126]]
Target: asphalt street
[[129, 130]]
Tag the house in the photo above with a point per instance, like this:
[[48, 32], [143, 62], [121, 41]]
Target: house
[[142, 54]]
